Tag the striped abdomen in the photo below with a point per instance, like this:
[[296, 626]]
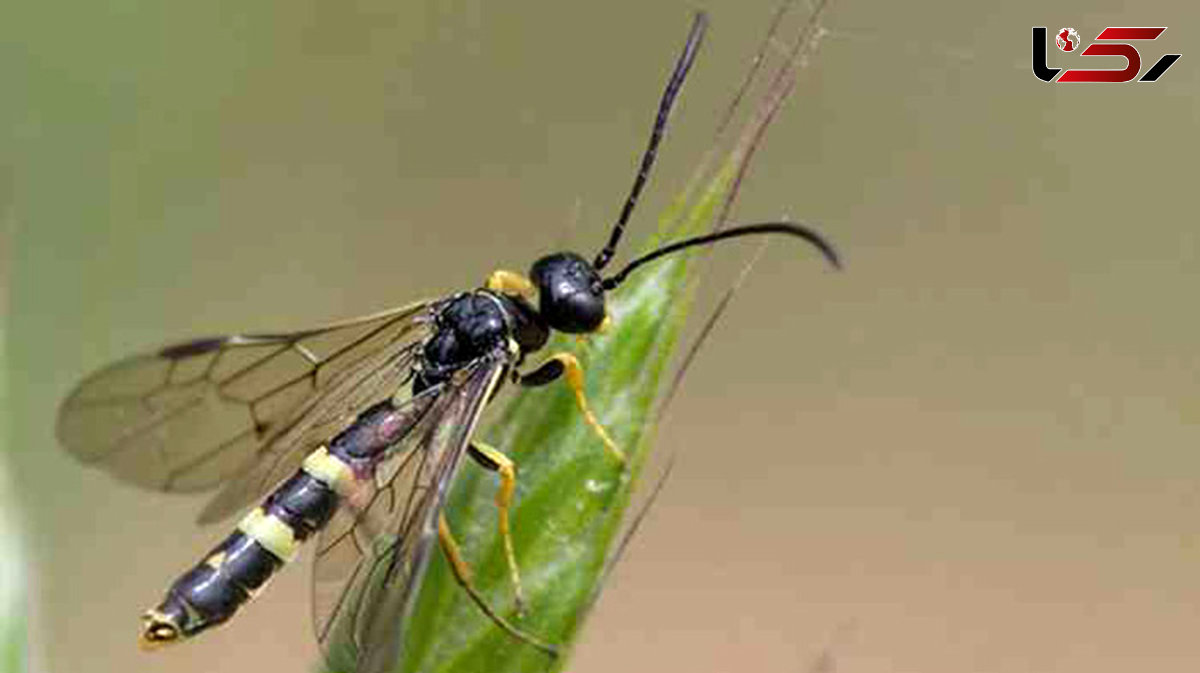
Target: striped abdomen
[[269, 536]]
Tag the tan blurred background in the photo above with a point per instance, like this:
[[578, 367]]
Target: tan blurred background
[[976, 450]]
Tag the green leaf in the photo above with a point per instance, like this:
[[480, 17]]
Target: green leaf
[[12, 557]]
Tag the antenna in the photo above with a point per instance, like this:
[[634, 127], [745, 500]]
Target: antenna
[[682, 66], [796, 230]]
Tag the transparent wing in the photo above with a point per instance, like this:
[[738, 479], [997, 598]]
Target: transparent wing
[[384, 373], [193, 414], [370, 560]]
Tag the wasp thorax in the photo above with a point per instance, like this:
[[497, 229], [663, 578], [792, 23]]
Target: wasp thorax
[[570, 296]]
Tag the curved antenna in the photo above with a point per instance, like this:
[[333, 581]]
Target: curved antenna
[[682, 66], [799, 231]]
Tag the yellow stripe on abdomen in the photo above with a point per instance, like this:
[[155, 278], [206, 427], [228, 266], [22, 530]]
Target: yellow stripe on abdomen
[[273, 534], [330, 470]]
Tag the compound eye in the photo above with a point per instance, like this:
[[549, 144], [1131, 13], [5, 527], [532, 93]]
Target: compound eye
[[570, 297], [579, 312]]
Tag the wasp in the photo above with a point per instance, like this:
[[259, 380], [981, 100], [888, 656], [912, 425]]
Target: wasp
[[353, 432]]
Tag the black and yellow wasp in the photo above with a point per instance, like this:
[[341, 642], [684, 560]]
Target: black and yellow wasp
[[352, 432]]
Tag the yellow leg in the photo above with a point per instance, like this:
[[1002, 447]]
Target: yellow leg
[[458, 564], [462, 573], [574, 375], [509, 282], [492, 459]]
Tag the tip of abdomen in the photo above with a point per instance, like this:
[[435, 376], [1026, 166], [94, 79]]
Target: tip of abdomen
[[158, 631]]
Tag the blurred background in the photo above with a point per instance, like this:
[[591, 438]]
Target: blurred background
[[975, 450]]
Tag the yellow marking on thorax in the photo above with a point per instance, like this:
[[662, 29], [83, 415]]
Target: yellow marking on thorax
[[274, 535], [331, 471], [511, 283], [216, 560]]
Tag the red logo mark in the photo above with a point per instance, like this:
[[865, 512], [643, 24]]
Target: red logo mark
[[1067, 39], [1133, 60], [1117, 44]]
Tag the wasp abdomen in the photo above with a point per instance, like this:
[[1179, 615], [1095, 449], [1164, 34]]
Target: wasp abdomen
[[212, 591], [271, 535], [237, 568], [373, 432], [303, 503]]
